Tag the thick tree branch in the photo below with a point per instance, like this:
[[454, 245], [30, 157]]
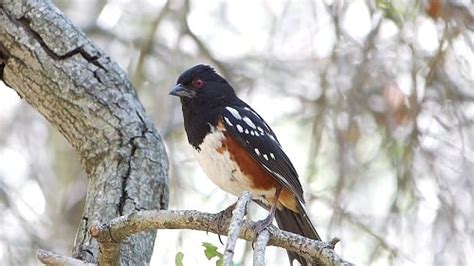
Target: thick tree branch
[[90, 101], [118, 229]]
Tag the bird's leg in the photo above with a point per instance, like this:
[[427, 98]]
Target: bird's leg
[[261, 225]]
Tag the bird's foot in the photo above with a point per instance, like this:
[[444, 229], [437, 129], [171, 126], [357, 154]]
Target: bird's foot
[[222, 219], [261, 225]]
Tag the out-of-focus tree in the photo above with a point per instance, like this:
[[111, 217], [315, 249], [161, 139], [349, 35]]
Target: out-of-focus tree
[[373, 101]]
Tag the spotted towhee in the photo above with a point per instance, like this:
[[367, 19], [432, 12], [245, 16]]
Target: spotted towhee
[[239, 151]]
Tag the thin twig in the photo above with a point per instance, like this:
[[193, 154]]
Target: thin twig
[[147, 46], [235, 225], [260, 247], [201, 45], [111, 234]]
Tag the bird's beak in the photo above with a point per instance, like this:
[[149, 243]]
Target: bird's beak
[[181, 91]]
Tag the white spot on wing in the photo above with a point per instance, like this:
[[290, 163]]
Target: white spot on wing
[[234, 112], [260, 129], [257, 151], [240, 128], [252, 132], [249, 122], [272, 137], [228, 121], [250, 110], [246, 131], [272, 155], [265, 156]]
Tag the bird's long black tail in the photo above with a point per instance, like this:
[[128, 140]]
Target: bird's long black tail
[[297, 223]]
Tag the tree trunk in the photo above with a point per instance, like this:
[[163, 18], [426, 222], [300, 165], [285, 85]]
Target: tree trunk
[[89, 99]]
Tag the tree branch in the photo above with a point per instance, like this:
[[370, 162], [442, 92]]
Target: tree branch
[[201, 45], [147, 45], [259, 249], [235, 226], [118, 229], [53, 259]]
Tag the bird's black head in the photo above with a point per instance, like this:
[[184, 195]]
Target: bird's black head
[[203, 94], [201, 84]]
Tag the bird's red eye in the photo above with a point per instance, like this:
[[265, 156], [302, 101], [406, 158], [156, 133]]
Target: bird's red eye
[[198, 83]]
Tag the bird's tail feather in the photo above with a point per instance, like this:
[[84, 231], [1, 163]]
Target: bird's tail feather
[[297, 223]]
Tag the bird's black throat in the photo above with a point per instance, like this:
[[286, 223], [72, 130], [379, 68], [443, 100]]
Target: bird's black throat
[[198, 118]]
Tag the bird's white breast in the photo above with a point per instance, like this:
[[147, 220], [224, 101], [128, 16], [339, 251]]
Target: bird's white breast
[[221, 169]]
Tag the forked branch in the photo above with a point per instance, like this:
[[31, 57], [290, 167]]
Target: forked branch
[[110, 235]]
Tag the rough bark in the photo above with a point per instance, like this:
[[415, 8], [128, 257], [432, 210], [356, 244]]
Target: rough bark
[[89, 99], [122, 227]]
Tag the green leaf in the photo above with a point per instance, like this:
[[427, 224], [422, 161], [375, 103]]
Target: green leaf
[[220, 261], [178, 259], [210, 250], [393, 9]]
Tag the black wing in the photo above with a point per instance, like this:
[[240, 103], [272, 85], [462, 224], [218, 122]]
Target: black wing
[[251, 131]]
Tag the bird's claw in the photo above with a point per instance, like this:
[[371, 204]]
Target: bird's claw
[[259, 226], [221, 219]]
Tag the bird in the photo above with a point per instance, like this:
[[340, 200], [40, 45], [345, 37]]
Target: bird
[[239, 151]]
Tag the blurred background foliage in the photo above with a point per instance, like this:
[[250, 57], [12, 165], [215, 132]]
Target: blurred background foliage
[[372, 100]]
